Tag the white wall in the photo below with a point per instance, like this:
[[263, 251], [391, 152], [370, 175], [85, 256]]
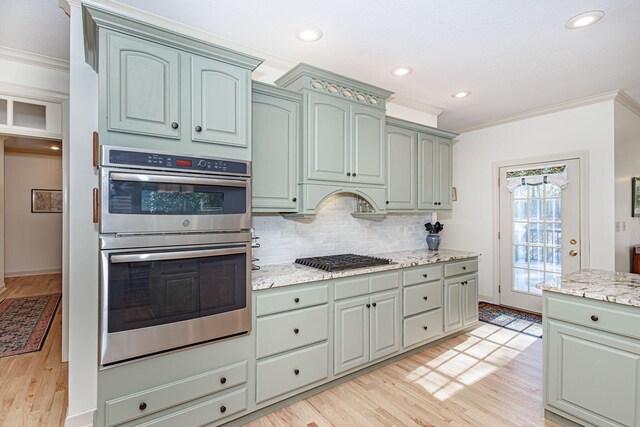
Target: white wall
[[33, 241], [333, 231], [627, 166], [588, 128]]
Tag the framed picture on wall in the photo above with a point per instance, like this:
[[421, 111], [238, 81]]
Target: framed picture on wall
[[635, 197], [46, 201]]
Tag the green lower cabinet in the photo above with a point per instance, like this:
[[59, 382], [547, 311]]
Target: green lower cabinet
[[385, 318], [460, 302]]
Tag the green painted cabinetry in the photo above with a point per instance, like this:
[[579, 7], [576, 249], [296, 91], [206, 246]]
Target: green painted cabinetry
[[275, 138], [368, 148], [419, 163]]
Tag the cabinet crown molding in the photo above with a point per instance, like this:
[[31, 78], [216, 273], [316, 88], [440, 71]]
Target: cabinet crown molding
[[95, 18], [393, 121], [305, 76]]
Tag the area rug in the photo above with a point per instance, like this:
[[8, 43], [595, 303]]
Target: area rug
[[24, 323], [516, 320]]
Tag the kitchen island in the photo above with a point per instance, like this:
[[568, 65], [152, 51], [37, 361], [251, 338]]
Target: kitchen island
[[591, 348]]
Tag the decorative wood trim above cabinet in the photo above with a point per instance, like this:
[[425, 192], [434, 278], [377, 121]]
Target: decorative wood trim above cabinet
[[394, 121], [278, 92], [95, 18], [305, 76]]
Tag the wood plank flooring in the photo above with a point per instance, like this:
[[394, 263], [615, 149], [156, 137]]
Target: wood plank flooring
[[490, 376], [33, 386]]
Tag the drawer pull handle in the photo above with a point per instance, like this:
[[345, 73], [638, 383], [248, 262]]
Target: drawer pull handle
[[296, 330], [424, 275], [296, 300], [142, 406], [368, 305], [594, 317], [296, 371], [425, 327], [223, 380], [223, 409], [425, 298]]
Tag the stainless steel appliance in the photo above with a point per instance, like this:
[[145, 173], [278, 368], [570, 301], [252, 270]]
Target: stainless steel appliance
[[175, 252]]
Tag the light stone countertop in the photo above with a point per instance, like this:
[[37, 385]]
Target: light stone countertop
[[619, 288], [276, 275]]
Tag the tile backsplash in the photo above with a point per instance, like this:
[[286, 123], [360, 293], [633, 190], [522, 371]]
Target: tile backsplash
[[334, 231]]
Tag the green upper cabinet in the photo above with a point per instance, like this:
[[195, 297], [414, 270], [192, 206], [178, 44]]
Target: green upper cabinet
[[401, 168], [427, 171], [219, 100], [275, 138], [328, 138], [162, 90], [143, 86], [367, 145], [444, 161]]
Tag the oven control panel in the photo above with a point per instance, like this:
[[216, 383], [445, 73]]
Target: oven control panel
[[180, 162]]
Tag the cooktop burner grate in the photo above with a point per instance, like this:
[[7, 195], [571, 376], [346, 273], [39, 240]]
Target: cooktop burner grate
[[342, 262]]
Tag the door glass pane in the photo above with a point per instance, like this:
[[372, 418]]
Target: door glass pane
[[3, 111], [536, 238]]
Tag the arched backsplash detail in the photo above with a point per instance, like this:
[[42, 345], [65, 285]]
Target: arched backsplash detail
[[348, 192]]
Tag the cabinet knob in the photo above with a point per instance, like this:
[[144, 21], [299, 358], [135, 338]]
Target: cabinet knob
[[296, 300], [424, 275], [368, 305], [295, 199], [425, 327], [296, 330], [348, 173], [174, 125], [386, 203], [143, 406], [464, 267], [296, 371], [425, 298], [374, 304], [223, 380], [223, 409], [354, 174], [198, 128], [594, 317]]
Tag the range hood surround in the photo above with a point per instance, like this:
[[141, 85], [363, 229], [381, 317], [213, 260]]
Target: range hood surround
[[310, 80]]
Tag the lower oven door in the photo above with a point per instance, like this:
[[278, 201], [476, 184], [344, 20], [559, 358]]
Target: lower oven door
[[159, 299]]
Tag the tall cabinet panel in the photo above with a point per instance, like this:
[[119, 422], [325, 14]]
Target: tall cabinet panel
[[143, 87], [367, 145], [444, 179], [401, 168], [328, 133], [427, 171], [275, 135], [220, 96]]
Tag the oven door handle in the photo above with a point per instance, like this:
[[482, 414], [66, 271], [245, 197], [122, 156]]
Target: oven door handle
[[173, 179], [166, 256]]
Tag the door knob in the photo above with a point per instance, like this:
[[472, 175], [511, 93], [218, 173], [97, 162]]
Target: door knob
[[573, 241], [573, 253]]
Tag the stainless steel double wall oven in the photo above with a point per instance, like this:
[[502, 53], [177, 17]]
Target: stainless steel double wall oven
[[175, 251]]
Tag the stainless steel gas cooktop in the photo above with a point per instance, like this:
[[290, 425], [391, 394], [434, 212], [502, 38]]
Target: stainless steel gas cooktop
[[342, 262]]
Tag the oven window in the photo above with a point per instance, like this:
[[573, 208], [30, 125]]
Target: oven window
[[144, 198], [144, 294]]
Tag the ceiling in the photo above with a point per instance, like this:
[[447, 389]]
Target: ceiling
[[513, 56], [33, 145]]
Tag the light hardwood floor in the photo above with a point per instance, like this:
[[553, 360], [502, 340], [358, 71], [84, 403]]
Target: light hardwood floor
[[33, 386], [488, 377]]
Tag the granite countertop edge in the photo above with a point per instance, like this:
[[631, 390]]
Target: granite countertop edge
[[280, 275]]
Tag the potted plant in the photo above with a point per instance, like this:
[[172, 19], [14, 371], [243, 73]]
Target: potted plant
[[433, 238]]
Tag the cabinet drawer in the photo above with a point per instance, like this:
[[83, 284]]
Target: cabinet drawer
[[423, 327], [278, 376], [419, 298], [611, 319], [362, 285], [462, 267], [422, 274], [276, 302], [205, 412], [156, 399], [286, 331], [384, 281]]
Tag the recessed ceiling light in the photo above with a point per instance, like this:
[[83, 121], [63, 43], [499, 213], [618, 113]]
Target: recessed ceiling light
[[584, 19], [461, 94], [401, 71], [309, 33], [54, 147]]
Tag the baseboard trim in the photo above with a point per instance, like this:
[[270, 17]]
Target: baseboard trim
[[3, 287], [485, 298], [32, 273], [83, 419]]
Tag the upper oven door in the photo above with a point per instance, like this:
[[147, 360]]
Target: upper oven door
[[133, 201]]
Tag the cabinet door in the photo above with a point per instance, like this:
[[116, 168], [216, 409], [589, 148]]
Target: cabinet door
[[592, 375], [328, 138], [470, 300], [220, 102], [143, 87], [443, 181], [385, 324], [401, 168], [351, 333], [367, 145], [275, 133], [452, 305], [427, 173]]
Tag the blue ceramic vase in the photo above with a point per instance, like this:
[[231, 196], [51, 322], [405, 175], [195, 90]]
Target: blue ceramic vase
[[433, 241]]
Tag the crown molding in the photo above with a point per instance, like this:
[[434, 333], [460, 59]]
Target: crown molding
[[415, 105], [30, 92], [31, 58], [630, 103], [581, 102]]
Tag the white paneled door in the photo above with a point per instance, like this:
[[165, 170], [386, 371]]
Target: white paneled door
[[539, 228]]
